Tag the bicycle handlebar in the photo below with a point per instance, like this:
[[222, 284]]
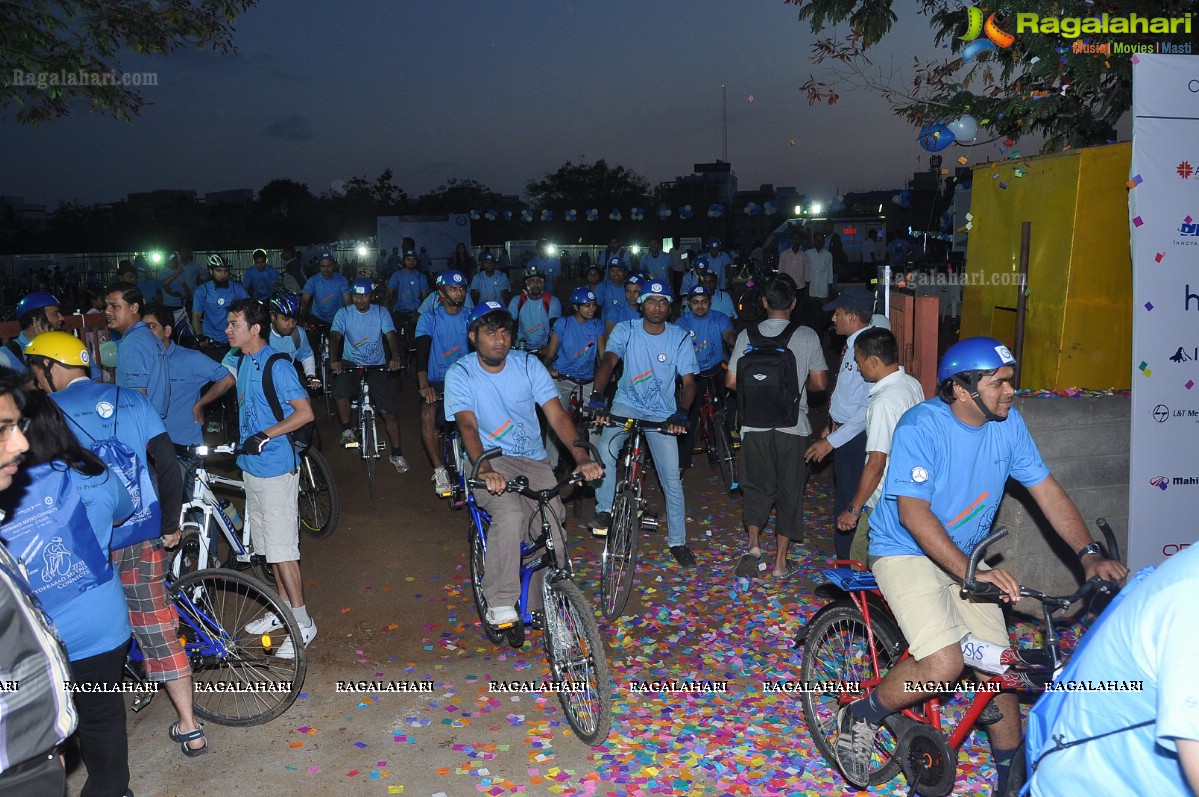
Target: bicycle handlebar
[[521, 483], [985, 589], [618, 420]]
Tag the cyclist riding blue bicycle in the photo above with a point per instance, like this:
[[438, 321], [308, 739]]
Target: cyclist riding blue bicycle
[[441, 339], [950, 458], [493, 394], [535, 310], [576, 344]]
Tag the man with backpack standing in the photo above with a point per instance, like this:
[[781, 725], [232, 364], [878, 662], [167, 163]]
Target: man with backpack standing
[[853, 311], [772, 366], [535, 311]]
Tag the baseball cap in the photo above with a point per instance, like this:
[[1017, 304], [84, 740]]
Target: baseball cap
[[486, 256], [616, 261], [698, 290], [487, 307], [654, 288], [853, 299]]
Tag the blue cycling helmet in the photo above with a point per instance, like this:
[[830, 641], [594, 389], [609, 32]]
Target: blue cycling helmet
[[713, 243], [582, 296], [451, 279], [35, 301], [654, 288], [487, 308], [635, 279], [616, 261], [699, 290], [285, 304], [363, 286], [700, 261], [974, 354], [487, 257]]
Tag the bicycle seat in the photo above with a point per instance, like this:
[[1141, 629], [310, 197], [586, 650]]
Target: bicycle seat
[[851, 580]]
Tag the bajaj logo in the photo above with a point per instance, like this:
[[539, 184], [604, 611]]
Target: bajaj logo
[[996, 37]]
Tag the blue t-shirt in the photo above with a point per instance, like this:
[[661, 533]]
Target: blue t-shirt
[[287, 345], [615, 313], [410, 287], [149, 286], [552, 267], [658, 267], [363, 333], [490, 286], [504, 404], [260, 284], [578, 344], [213, 304], [533, 320], [448, 339], [608, 294], [1146, 636], [98, 411], [720, 264], [959, 469], [10, 360], [707, 337], [142, 364], [328, 295], [188, 371], [721, 303], [254, 413], [651, 365], [434, 300]]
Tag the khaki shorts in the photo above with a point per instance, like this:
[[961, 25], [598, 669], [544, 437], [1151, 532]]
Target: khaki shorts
[[928, 605], [273, 512]]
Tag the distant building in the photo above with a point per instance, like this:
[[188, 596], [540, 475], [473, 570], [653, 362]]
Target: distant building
[[16, 215], [710, 183]]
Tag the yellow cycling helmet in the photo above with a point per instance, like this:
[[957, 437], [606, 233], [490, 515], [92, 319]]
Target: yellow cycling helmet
[[62, 347]]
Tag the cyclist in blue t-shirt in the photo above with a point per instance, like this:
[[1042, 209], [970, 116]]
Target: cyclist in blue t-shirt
[[357, 336], [655, 354], [141, 358], [288, 337], [630, 308], [440, 341], [576, 344], [490, 284], [535, 311], [950, 459], [210, 307], [610, 292], [713, 336], [188, 372], [260, 279], [493, 394], [407, 288], [325, 293]]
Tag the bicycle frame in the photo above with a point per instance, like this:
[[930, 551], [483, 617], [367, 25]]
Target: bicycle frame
[[204, 500]]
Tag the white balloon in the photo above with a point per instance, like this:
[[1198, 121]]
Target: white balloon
[[964, 129]]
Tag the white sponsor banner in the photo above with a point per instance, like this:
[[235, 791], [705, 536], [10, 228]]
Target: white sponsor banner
[[1164, 223]]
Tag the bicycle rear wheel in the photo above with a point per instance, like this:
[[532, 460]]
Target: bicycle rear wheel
[[477, 567], [726, 460], [837, 650], [619, 561], [237, 679], [319, 509], [577, 660]]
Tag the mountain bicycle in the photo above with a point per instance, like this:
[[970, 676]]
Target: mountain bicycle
[[854, 640], [629, 517], [204, 515], [368, 443], [713, 432], [573, 646], [238, 679], [406, 332]]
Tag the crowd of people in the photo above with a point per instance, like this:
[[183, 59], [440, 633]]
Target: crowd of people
[[917, 482]]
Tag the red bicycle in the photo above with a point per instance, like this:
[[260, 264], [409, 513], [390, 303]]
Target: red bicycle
[[851, 643]]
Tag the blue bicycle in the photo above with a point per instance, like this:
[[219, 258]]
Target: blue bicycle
[[573, 647], [239, 679]]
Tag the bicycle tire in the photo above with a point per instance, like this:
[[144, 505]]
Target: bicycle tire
[[221, 602], [477, 567], [726, 459], [370, 453], [836, 650], [263, 571], [319, 506], [618, 563], [576, 655], [187, 555]]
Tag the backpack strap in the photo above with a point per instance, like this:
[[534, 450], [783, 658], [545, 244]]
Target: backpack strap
[[759, 341]]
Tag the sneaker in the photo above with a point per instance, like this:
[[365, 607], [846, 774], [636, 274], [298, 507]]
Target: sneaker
[[501, 615], [288, 649], [682, 554], [441, 482], [600, 524], [264, 624], [348, 438], [401, 464], [855, 747]]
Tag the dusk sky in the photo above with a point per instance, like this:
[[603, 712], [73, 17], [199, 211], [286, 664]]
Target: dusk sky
[[498, 92]]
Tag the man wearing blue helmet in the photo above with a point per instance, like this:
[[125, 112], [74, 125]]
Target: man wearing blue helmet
[[288, 337], [489, 284], [493, 394], [38, 312], [576, 344], [356, 339], [440, 342], [718, 260], [535, 311], [950, 459], [630, 308], [655, 354], [610, 292], [713, 336]]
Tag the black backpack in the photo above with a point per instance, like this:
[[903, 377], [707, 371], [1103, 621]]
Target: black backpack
[[768, 384], [302, 437]]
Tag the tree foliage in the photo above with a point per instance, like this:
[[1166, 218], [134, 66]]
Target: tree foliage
[[457, 196], [1036, 85], [58, 54], [587, 185]]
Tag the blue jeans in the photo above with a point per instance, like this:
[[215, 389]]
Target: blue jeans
[[665, 451]]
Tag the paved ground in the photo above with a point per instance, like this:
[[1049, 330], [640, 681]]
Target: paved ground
[[388, 591]]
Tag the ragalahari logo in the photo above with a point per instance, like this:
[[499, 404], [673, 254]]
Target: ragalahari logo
[[976, 26]]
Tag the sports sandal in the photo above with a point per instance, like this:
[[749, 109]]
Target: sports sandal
[[191, 736]]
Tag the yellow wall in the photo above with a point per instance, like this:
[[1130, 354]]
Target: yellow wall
[[1078, 330]]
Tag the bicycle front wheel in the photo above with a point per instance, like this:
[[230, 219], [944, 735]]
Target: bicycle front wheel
[[478, 556], [726, 460], [619, 562], [577, 661], [837, 650], [238, 678], [369, 450], [319, 509]]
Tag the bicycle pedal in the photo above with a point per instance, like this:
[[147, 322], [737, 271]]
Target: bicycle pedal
[[349, 445], [504, 626], [649, 520]]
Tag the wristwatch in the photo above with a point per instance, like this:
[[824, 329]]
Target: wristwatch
[[853, 510], [1090, 549]]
